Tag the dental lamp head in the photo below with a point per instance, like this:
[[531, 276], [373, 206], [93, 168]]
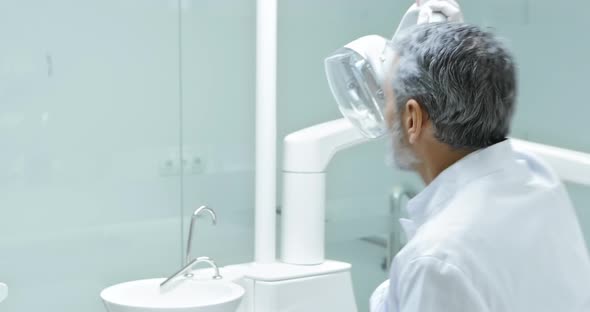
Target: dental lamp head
[[357, 72]]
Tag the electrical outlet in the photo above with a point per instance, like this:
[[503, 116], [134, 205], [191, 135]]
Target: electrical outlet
[[169, 167], [194, 165], [189, 165]]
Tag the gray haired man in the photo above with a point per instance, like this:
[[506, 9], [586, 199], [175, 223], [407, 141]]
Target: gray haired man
[[494, 229]]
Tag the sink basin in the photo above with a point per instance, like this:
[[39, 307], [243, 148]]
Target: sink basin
[[186, 296]]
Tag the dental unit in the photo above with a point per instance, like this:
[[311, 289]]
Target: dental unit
[[292, 282]]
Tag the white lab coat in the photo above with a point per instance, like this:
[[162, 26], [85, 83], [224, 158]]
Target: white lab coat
[[495, 232]]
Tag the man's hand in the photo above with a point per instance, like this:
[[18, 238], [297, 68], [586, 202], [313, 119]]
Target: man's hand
[[449, 8]]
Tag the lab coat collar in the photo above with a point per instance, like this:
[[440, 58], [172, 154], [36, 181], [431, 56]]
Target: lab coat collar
[[471, 167]]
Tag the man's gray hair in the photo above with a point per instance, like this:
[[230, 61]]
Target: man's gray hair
[[462, 76]]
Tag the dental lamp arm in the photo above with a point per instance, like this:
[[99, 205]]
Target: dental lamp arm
[[430, 11], [311, 149], [307, 154]]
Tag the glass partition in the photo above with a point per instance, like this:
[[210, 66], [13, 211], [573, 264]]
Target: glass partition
[[89, 114], [218, 58]]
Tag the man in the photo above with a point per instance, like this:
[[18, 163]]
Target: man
[[494, 229]]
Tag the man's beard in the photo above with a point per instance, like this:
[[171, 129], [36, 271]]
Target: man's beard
[[398, 153]]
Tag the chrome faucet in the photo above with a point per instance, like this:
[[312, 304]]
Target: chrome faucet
[[188, 264], [186, 270], [191, 230]]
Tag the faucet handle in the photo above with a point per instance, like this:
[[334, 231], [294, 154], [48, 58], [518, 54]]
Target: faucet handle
[[216, 275], [208, 260], [186, 271]]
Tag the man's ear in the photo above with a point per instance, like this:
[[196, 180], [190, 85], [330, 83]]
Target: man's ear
[[414, 120]]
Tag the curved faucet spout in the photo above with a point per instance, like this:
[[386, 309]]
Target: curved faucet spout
[[191, 230]]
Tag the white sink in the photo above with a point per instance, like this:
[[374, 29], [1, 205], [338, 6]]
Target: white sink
[[186, 296]]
